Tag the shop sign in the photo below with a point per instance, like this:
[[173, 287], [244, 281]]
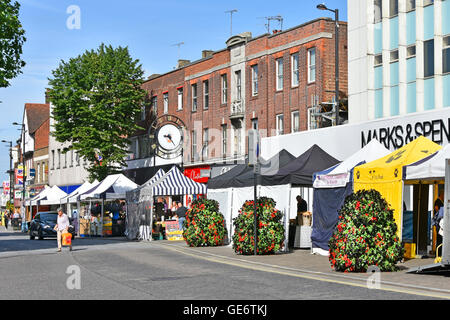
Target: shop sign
[[199, 174], [396, 136]]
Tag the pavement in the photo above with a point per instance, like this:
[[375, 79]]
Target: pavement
[[297, 263]]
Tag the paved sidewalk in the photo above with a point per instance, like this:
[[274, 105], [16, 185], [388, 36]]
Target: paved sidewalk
[[301, 260]]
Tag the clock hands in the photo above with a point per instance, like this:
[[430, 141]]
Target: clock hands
[[169, 138]]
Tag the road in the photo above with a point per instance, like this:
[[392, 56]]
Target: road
[[111, 269]]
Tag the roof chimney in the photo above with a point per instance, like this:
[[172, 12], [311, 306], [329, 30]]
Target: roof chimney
[[182, 63], [207, 53]]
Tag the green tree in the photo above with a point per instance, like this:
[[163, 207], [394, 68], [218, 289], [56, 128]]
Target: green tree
[[11, 41], [96, 99]]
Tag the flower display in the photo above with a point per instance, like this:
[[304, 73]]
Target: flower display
[[270, 230], [204, 225], [366, 235]]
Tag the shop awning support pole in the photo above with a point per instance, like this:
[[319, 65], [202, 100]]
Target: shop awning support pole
[[101, 222]]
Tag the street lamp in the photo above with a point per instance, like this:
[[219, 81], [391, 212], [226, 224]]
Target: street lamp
[[23, 172], [11, 197], [336, 31]]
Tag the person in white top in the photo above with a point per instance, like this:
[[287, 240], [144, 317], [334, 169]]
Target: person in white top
[[62, 225]]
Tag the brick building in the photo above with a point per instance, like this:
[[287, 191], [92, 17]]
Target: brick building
[[270, 83]]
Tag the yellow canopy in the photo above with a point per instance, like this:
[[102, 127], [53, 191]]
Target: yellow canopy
[[385, 174]]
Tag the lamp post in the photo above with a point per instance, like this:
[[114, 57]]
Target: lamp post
[[24, 170], [11, 198], [336, 55]]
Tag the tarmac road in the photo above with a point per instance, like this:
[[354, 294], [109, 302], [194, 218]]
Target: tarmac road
[[111, 269]]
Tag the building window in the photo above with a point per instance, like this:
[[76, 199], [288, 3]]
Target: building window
[[295, 70], [224, 92], [378, 60], [279, 73], [295, 121], [394, 56], [78, 159], [194, 145], [427, 2], [58, 163], [205, 94], [224, 140], [411, 51], [143, 112], [410, 5], [311, 65], [53, 159], [194, 97], [166, 102], [180, 98], [446, 55], [428, 48], [71, 158], [280, 124], [393, 8], [205, 143], [38, 173], [255, 124], [378, 10], [65, 159], [255, 80], [238, 85], [154, 103], [44, 178]]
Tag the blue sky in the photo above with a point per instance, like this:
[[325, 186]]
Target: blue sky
[[149, 28]]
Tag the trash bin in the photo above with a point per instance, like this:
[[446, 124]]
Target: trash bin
[[292, 230]]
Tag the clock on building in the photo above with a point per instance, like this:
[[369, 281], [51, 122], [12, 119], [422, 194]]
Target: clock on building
[[166, 134]]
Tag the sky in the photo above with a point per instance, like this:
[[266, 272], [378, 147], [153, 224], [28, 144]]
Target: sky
[[58, 30]]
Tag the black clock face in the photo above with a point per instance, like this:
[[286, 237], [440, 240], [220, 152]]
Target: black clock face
[[167, 133]]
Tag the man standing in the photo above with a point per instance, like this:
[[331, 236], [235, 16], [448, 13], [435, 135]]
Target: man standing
[[62, 225], [181, 213]]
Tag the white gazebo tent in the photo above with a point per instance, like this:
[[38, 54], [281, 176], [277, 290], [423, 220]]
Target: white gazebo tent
[[112, 187], [53, 196]]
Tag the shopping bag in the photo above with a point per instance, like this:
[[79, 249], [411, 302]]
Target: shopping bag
[[66, 239]]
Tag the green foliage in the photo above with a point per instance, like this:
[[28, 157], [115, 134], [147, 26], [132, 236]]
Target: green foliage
[[366, 235], [270, 230], [11, 42], [205, 225], [97, 98]]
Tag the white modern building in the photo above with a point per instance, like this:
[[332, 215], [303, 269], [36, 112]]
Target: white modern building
[[399, 57], [66, 170]]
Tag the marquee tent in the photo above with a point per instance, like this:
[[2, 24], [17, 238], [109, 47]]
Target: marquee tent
[[226, 180], [73, 196], [385, 174], [41, 195], [268, 167], [112, 187], [53, 196], [331, 187], [430, 170], [299, 172]]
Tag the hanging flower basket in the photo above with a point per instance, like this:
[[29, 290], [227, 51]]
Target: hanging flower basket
[[270, 229], [366, 235], [205, 225]]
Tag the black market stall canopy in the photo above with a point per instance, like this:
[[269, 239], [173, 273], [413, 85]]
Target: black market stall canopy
[[299, 172], [268, 167], [226, 180]]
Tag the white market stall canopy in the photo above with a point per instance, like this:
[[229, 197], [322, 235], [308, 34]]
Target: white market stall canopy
[[73, 196], [41, 195], [53, 196], [430, 169], [112, 187], [340, 175]]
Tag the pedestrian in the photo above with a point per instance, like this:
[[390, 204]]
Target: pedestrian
[[62, 226], [438, 208], [181, 213], [5, 215]]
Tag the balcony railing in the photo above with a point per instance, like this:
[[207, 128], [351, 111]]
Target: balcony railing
[[237, 109]]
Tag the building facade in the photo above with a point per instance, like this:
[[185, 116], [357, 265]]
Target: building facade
[[66, 169], [399, 57], [270, 83]]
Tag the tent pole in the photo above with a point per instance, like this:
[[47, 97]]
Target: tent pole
[[101, 223], [418, 218]]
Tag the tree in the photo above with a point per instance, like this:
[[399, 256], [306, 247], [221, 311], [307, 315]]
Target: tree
[[97, 98], [11, 41]]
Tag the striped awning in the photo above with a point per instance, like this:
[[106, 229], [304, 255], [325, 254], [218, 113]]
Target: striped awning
[[176, 183]]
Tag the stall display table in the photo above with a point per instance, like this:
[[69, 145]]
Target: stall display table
[[302, 237]]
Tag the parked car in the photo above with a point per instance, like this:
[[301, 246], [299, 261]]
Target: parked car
[[43, 225]]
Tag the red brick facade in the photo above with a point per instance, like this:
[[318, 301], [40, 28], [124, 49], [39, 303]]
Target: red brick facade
[[269, 102]]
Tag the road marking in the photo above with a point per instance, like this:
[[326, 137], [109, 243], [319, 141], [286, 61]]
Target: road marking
[[272, 269]]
